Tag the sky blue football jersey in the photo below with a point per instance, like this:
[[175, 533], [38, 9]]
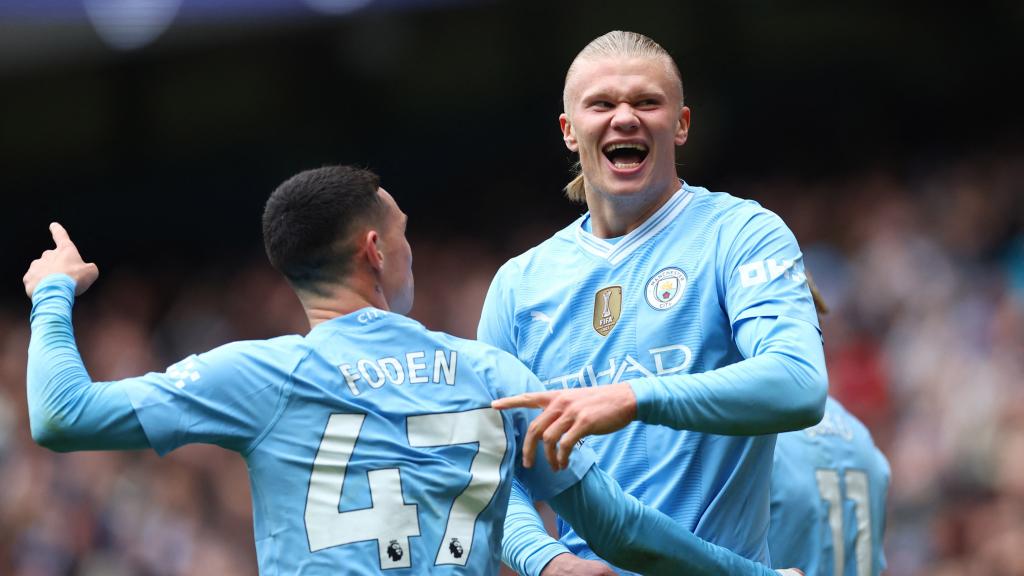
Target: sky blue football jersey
[[370, 443], [660, 301], [828, 498]]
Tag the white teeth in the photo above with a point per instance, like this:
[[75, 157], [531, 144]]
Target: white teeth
[[624, 166], [637, 146]]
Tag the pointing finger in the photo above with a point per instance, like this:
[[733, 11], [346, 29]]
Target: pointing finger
[[528, 400], [60, 235]]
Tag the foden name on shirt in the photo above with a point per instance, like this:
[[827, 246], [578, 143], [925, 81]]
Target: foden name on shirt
[[413, 368]]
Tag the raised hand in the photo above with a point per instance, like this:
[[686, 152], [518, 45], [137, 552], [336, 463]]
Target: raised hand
[[63, 258], [569, 415]]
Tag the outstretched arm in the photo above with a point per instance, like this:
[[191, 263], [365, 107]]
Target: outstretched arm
[[632, 536], [780, 386]]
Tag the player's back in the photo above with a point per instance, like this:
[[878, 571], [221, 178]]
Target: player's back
[[385, 453], [829, 485]]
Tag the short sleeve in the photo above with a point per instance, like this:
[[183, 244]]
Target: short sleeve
[[498, 314], [762, 271], [541, 481], [227, 397]]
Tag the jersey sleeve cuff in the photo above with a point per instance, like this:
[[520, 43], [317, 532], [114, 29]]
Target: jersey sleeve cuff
[[646, 392], [543, 556], [54, 285], [54, 295]]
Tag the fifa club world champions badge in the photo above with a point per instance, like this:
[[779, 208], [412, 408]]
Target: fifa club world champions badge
[[607, 309]]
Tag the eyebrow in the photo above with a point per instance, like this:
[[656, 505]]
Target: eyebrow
[[604, 94]]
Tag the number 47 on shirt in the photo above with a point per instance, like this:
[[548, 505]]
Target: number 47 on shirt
[[391, 521]]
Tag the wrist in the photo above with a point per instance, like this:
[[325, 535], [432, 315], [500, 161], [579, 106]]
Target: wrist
[[544, 562], [555, 564], [55, 283]]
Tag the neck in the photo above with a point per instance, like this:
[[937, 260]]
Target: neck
[[612, 216], [339, 300]]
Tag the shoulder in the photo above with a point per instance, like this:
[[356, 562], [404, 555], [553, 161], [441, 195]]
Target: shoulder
[[742, 228], [480, 354], [502, 371], [269, 349], [729, 219], [732, 212], [467, 349], [867, 450], [282, 352]]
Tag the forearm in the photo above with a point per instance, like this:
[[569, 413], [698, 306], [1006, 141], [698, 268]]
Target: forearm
[[67, 411], [635, 537], [527, 548], [781, 387]]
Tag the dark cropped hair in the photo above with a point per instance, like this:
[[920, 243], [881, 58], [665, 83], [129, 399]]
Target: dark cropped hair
[[309, 220]]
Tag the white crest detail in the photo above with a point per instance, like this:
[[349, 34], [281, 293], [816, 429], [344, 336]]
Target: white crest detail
[[184, 371]]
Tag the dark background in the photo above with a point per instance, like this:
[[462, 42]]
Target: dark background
[[164, 155]]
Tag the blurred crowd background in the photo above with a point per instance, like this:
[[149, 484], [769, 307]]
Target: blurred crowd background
[[889, 139]]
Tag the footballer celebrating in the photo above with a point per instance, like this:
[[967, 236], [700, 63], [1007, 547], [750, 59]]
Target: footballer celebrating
[[370, 441], [664, 304]]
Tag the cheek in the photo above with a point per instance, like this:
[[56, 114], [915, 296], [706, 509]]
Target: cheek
[[588, 144]]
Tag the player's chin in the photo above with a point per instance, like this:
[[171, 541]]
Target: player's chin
[[625, 186]]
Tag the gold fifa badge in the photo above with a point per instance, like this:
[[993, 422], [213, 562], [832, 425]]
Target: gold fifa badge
[[607, 309]]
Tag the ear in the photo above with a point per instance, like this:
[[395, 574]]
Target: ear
[[370, 248], [683, 130], [568, 134]]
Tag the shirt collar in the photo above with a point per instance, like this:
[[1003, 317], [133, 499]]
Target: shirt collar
[[615, 252]]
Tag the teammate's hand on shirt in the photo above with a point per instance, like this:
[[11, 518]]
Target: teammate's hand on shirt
[[571, 565], [569, 415], [62, 259]]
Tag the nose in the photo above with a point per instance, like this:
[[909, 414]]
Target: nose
[[625, 118]]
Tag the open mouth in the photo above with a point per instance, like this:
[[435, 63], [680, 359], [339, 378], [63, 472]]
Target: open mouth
[[626, 156]]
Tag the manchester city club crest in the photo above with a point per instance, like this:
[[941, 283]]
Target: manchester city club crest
[[607, 309], [665, 288]]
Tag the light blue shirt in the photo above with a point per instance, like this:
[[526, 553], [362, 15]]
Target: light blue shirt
[[370, 444], [828, 498], [705, 310]]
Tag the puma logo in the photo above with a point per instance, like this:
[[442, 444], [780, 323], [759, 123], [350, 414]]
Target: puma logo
[[544, 318]]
